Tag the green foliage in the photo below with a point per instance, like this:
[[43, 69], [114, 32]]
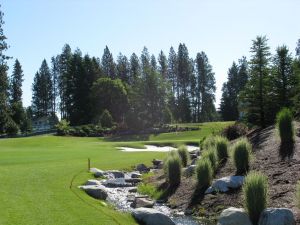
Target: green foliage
[[63, 127], [183, 154], [235, 131], [204, 172], [255, 191], [173, 169], [11, 128], [298, 194], [221, 149], [148, 189], [241, 155], [209, 142], [210, 154], [285, 127], [106, 119]]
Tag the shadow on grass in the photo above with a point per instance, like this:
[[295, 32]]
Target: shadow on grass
[[286, 150]]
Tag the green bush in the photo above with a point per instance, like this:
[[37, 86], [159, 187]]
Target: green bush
[[284, 122], [173, 168], [208, 142], [11, 128], [298, 194], [241, 155], [183, 154], [204, 173], [106, 119], [62, 128], [255, 191], [210, 154], [221, 149]]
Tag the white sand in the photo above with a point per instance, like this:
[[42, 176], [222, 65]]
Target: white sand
[[153, 148]]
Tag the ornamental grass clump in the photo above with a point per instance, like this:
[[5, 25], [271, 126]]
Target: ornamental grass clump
[[255, 191], [209, 142], [284, 123], [210, 154], [204, 173], [241, 155], [222, 149], [183, 154], [173, 169]]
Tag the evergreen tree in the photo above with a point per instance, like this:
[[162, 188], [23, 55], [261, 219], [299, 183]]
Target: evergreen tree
[[108, 64], [123, 68], [254, 98], [163, 64], [63, 81], [4, 83], [283, 80], [145, 61], [153, 63], [173, 81], [55, 75], [135, 69], [42, 94], [207, 87]]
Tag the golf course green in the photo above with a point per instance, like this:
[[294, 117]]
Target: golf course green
[[39, 176]]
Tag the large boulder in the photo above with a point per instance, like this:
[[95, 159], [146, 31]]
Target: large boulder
[[93, 182], [114, 174], [157, 164], [234, 216], [95, 191], [142, 202], [277, 216], [151, 217], [97, 173], [142, 168], [135, 175], [225, 183]]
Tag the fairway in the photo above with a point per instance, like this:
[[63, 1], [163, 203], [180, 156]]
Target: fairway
[[36, 174]]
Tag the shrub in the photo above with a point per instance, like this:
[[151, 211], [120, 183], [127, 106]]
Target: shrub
[[204, 173], [11, 128], [106, 119], [298, 194], [284, 122], [241, 155], [209, 142], [183, 154], [235, 131], [210, 154], [62, 128], [255, 191], [173, 168], [221, 149]]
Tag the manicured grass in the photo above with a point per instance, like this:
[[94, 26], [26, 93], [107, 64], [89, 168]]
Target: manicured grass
[[36, 174]]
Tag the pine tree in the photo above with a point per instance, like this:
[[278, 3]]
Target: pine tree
[[163, 64], [42, 94], [4, 83], [108, 64], [55, 75], [123, 68], [254, 98], [207, 87], [135, 69]]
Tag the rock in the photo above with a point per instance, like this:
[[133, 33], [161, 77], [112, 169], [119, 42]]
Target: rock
[[93, 182], [95, 191], [234, 216], [189, 171], [132, 190], [223, 184], [142, 202], [193, 156], [133, 180], [97, 173], [156, 162], [151, 217], [142, 168], [277, 216], [114, 174], [135, 175], [118, 182]]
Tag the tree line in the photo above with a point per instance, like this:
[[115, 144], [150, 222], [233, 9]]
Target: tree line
[[256, 90], [139, 91]]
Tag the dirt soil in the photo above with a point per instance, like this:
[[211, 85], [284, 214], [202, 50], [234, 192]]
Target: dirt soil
[[283, 171]]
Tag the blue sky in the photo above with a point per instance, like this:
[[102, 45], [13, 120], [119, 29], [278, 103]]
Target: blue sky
[[38, 29]]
